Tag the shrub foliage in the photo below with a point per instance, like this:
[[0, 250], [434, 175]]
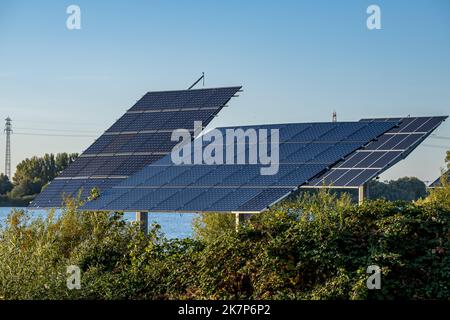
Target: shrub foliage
[[314, 247]]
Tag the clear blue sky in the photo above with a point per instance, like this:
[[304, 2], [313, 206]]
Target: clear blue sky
[[297, 60]]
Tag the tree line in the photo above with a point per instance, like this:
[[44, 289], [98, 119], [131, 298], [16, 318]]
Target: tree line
[[32, 174]]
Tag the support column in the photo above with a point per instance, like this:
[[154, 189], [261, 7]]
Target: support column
[[142, 218], [241, 217], [363, 193]]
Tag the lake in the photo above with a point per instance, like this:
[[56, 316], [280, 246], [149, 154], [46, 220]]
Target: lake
[[173, 225]]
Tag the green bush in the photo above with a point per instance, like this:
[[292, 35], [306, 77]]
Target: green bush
[[5, 185], [211, 226], [314, 247]]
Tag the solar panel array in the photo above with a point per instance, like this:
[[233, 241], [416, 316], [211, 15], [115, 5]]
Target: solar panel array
[[305, 150], [364, 164], [140, 137]]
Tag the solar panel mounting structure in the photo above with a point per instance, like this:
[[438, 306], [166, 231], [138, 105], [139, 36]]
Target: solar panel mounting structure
[[163, 187], [140, 137], [306, 150], [364, 164]]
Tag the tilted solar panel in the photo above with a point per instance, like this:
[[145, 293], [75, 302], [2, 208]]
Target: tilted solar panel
[[438, 183], [394, 145], [305, 150], [140, 137]]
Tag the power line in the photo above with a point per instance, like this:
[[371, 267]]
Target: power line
[[439, 137], [435, 146], [57, 130], [54, 135], [61, 122], [81, 135]]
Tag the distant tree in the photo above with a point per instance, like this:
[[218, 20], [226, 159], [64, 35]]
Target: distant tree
[[5, 184], [407, 188], [34, 173], [25, 188], [63, 160], [447, 159]]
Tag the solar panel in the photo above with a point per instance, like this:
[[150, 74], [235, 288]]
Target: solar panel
[[364, 164], [437, 183], [305, 151], [140, 137]]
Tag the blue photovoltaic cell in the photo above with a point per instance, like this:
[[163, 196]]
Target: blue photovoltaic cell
[[180, 99], [99, 144], [124, 122], [55, 191], [409, 140], [430, 125], [347, 175], [352, 160], [260, 200], [380, 154], [75, 167], [352, 129], [306, 150], [370, 159], [414, 125], [361, 178], [310, 132], [330, 177], [378, 143], [365, 134], [337, 152], [167, 120], [297, 153], [233, 200], [393, 142], [386, 158], [215, 176], [403, 121], [206, 199], [140, 137]]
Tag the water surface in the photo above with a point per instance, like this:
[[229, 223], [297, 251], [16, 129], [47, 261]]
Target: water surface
[[173, 225]]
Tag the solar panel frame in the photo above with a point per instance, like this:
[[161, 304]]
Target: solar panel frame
[[381, 154], [141, 136], [238, 184], [223, 196]]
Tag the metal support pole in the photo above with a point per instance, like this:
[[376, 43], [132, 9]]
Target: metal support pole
[[142, 218], [8, 131], [240, 218], [363, 193], [195, 83]]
